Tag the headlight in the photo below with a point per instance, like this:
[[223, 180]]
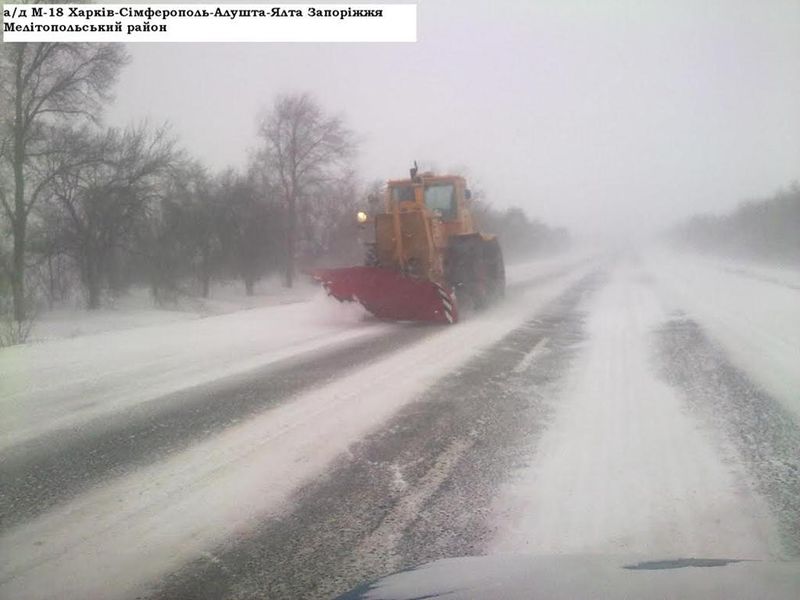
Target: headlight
[[361, 216]]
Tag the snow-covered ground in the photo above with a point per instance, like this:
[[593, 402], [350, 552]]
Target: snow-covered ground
[[61, 383], [752, 311], [64, 382], [145, 524], [783, 275], [519, 272], [624, 468], [136, 309]]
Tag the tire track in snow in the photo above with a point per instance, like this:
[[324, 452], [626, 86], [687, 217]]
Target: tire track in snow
[[623, 469], [119, 538], [38, 474], [418, 489], [764, 433], [377, 552]]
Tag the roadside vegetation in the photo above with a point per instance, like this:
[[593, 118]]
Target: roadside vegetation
[[87, 212], [765, 229]]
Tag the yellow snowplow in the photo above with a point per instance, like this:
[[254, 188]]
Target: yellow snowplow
[[427, 259]]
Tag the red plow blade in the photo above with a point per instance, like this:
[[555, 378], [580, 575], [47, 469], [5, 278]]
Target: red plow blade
[[389, 295]]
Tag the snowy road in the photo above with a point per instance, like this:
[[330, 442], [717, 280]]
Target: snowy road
[[603, 407]]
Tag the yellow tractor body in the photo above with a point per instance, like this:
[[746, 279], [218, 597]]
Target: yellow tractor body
[[426, 258]]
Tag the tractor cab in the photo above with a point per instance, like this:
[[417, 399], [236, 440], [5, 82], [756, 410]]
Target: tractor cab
[[444, 196], [439, 197]]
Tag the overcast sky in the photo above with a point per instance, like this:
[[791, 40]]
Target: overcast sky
[[614, 115]]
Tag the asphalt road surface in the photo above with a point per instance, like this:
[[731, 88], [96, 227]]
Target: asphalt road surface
[[602, 419]]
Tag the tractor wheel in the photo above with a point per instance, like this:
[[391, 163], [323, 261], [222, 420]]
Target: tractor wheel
[[458, 267], [494, 270], [475, 270]]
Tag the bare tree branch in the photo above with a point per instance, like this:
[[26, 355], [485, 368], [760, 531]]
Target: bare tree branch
[[302, 146], [45, 85]]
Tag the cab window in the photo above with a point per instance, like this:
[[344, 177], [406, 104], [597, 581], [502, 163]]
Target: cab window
[[441, 200], [403, 194]]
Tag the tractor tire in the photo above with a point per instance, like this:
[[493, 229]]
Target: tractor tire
[[495, 269], [459, 260], [475, 270]]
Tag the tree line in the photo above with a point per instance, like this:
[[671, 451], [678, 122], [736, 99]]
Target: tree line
[[520, 236], [765, 229], [99, 209]]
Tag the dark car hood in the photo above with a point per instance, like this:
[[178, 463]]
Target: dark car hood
[[574, 577]]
